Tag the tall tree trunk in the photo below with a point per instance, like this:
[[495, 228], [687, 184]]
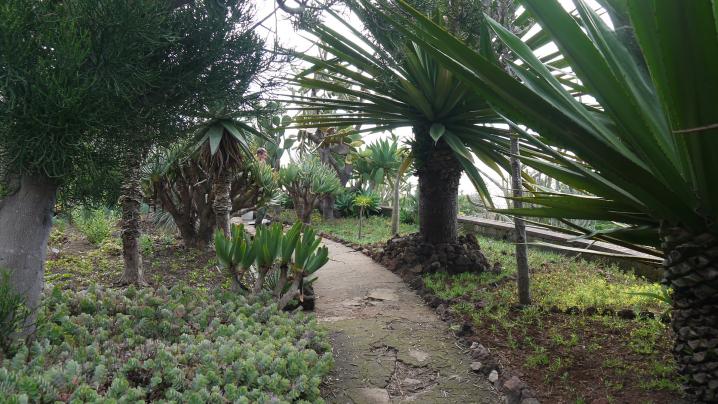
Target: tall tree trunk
[[522, 263], [439, 176], [190, 236], [691, 269], [305, 212], [222, 204], [361, 220], [326, 204], [130, 202], [25, 222], [395, 206], [327, 207]]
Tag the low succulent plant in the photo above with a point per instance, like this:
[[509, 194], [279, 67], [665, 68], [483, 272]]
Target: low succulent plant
[[178, 345]]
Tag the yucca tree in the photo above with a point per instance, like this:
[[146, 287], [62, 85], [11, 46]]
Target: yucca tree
[[406, 90], [644, 144], [224, 144]]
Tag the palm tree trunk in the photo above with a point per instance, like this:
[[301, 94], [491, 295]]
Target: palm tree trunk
[[25, 222], [691, 269], [522, 264], [222, 204], [130, 203], [439, 177]]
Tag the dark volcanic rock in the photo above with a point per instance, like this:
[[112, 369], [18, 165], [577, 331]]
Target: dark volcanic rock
[[412, 254]]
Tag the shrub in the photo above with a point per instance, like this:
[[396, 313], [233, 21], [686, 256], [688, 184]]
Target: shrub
[[95, 224], [344, 203], [146, 244], [178, 345], [285, 201], [169, 173], [409, 210], [13, 314]]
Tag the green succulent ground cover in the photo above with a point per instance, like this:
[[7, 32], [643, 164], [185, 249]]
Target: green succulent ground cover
[[166, 345]]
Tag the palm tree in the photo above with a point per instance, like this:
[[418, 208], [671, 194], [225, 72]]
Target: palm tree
[[411, 90], [642, 141]]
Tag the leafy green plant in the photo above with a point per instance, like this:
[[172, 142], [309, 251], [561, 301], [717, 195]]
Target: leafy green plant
[[95, 224], [146, 244], [344, 203], [362, 202], [409, 210], [307, 182], [271, 261], [285, 201], [379, 162], [177, 345], [13, 315]]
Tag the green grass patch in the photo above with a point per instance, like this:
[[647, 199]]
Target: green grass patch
[[556, 280], [374, 228], [633, 357]]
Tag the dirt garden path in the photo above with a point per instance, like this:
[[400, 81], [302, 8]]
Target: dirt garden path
[[388, 345]]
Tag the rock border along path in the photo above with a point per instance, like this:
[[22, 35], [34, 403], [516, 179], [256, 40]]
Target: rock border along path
[[388, 345]]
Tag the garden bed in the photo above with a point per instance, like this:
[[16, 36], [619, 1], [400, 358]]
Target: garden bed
[[74, 263], [184, 339], [587, 337], [179, 345]]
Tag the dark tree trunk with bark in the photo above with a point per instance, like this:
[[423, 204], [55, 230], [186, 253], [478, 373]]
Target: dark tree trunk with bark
[[691, 269], [25, 222], [130, 202], [190, 236], [439, 176], [222, 204], [522, 263], [304, 211]]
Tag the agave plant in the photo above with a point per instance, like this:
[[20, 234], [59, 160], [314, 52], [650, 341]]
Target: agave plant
[[412, 89], [272, 261], [637, 116]]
